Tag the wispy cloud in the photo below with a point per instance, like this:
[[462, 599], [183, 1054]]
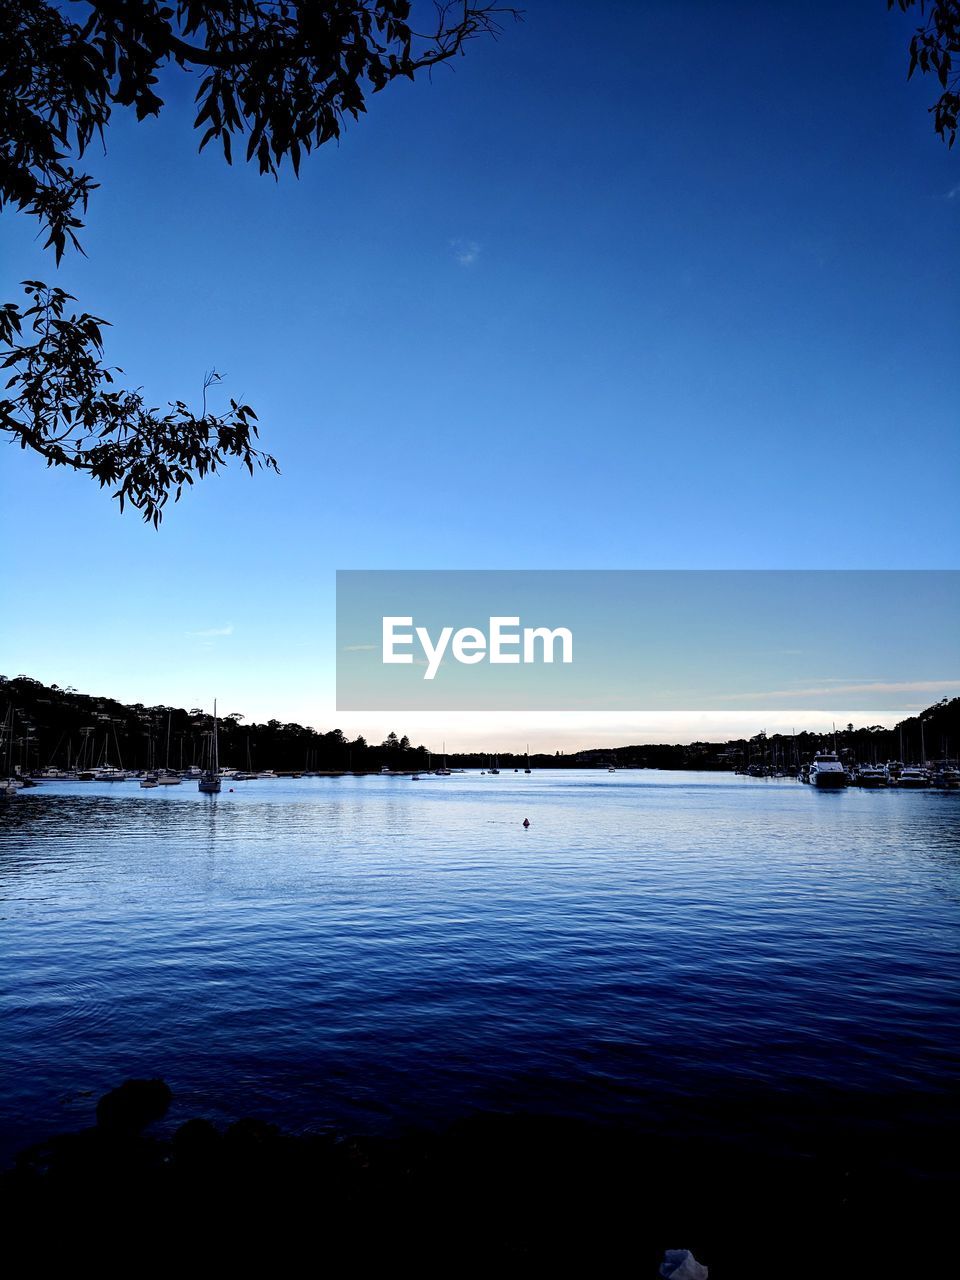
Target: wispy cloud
[[360, 648], [875, 686], [211, 632], [466, 252], [954, 192]]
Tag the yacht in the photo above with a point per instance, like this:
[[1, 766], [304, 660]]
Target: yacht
[[870, 775], [210, 778], [913, 776], [827, 771]]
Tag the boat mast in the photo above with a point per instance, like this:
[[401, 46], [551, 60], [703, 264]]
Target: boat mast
[[216, 755]]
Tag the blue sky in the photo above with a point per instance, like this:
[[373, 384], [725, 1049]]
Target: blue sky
[[623, 290]]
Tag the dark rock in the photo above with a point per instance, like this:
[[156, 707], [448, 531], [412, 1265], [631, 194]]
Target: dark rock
[[196, 1139], [251, 1133], [131, 1107]]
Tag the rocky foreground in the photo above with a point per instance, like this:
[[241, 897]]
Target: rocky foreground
[[494, 1194]]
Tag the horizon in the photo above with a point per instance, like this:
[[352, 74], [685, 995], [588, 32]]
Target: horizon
[[506, 742]]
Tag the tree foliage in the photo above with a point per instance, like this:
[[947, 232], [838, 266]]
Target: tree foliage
[[934, 49], [67, 411], [281, 74]]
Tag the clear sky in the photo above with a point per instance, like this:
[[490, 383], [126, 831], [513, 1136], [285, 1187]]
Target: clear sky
[[636, 286]]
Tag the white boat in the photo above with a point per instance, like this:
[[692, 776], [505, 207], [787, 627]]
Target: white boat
[[871, 775], [827, 771], [912, 776], [210, 778], [149, 780]]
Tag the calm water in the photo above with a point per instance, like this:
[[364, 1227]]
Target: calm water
[[366, 954]]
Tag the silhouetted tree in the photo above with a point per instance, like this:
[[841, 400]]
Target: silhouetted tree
[[283, 74], [934, 47]]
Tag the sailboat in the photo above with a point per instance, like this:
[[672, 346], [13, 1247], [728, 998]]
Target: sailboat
[[526, 759], [210, 778], [9, 784], [166, 777], [245, 775], [443, 771], [149, 777], [496, 765]]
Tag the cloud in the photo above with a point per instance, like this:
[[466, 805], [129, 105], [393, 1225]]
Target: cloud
[[466, 252], [954, 192], [360, 648], [211, 632], [875, 686]]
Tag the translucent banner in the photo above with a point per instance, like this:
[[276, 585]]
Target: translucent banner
[[643, 640]]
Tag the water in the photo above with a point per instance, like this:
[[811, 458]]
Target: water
[[366, 954]]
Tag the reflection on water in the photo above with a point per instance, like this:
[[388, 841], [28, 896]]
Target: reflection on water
[[365, 953]]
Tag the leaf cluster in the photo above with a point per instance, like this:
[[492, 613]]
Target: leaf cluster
[[934, 49], [283, 73], [62, 403]]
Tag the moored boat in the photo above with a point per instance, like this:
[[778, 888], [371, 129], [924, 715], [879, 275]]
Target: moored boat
[[827, 771], [870, 775], [210, 778]]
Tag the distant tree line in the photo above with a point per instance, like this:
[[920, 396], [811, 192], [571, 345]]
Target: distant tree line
[[52, 725]]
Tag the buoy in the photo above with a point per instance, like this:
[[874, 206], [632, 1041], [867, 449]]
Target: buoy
[[231, 790], [526, 822]]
